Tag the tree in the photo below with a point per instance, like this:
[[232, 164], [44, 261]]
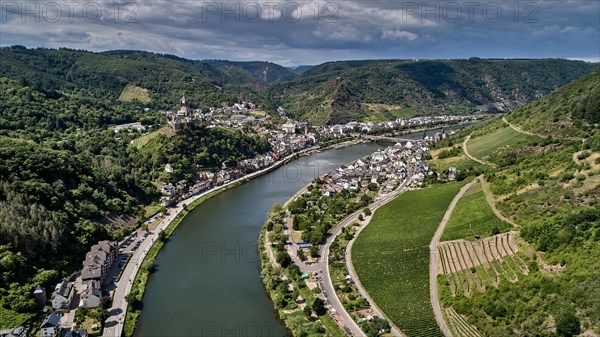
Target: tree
[[319, 307], [294, 270], [372, 187], [314, 251], [283, 259], [162, 236], [132, 299], [367, 211], [301, 255], [307, 311], [149, 267]]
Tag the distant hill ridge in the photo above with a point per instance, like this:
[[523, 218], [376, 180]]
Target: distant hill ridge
[[333, 92]]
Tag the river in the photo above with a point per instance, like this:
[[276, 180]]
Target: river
[[207, 281]]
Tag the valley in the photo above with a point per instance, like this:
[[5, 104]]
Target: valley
[[492, 162]]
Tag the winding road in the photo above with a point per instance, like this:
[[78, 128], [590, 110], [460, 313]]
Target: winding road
[[433, 260]]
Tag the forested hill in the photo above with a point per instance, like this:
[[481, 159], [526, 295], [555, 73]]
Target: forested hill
[[67, 180], [165, 77], [332, 92], [565, 112], [342, 91]]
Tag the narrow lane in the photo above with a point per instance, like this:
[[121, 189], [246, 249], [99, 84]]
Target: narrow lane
[[433, 260]]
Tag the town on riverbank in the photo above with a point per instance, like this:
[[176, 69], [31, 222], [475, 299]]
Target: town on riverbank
[[303, 242]]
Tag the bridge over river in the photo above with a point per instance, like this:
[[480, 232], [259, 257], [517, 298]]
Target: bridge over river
[[399, 139]]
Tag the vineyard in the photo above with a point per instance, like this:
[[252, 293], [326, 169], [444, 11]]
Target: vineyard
[[484, 146], [475, 266], [474, 216], [459, 325], [391, 257]]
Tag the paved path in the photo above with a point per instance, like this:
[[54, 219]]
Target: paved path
[[433, 260], [466, 151]]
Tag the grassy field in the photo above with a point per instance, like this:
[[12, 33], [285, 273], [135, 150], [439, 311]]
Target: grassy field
[[484, 146], [152, 209], [461, 161], [132, 93], [10, 319], [473, 215], [391, 257], [386, 112], [144, 139]]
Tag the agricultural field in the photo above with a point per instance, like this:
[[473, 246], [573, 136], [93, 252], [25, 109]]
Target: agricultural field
[[449, 153], [476, 266], [484, 146], [144, 139], [133, 93], [473, 215], [391, 257], [459, 325], [386, 112]]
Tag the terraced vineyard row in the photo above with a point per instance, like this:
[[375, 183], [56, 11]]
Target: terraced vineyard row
[[459, 325], [471, 266]]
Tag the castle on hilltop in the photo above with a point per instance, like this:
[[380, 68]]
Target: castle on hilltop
[[183, 115]]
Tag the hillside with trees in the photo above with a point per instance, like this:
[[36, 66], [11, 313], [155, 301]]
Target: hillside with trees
[[547, 184], [333, 92], [68, 181]]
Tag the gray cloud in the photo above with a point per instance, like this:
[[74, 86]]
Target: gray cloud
[[300, 32]]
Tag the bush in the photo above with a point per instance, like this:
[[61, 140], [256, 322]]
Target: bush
[[567, 323], [583, 155]]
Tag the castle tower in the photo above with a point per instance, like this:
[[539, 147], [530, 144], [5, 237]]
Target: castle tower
[[183, 110], [183, 102], [39, 295]]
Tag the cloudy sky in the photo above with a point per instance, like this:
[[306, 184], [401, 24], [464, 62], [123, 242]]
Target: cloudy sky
[[302, 32]]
